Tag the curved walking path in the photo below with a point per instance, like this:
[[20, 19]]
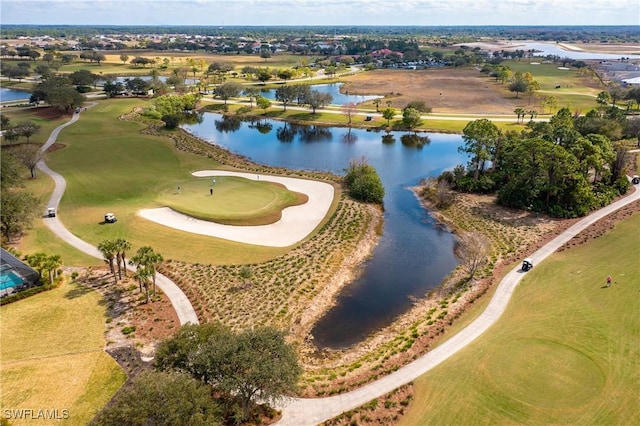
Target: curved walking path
[[180, 302], [301, 412], [296, 223]]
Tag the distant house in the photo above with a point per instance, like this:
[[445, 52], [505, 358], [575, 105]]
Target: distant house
[[15, 275]]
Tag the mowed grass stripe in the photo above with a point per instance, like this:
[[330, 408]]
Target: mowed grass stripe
[[565, 351]]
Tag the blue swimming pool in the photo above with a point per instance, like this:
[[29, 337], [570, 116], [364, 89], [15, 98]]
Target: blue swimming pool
[[9, 279]]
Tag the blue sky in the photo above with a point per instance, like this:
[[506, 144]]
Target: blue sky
[[321, 12]]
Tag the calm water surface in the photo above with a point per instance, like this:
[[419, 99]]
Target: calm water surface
[[333, 89], [413, 255], [13, 95]]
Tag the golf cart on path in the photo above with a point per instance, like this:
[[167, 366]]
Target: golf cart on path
[[51, 212], [527, 264], [110, 218]]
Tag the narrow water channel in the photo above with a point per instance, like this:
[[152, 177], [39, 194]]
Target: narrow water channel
[[413, 255]]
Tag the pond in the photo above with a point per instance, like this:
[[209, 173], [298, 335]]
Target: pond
[[13, 95], [333, 89], [413, 255]]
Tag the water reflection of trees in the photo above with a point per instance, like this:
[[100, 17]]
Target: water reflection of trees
[[308, 134], [228, 124], [262, 126], [315, 134], [415, 141], [349, 137], [192, 117], [286, 133]]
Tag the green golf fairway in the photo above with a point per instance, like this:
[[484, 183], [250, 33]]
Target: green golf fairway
[[231, 200]]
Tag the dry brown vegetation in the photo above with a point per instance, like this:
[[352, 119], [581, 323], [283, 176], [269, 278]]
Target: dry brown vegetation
[[464, 91]]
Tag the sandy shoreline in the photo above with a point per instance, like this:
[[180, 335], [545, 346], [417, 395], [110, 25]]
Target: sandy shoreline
[[296, 224]]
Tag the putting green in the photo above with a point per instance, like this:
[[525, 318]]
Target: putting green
[[231, 200]]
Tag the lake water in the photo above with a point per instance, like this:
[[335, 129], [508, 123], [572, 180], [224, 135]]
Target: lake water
[[13, 95], [333, 89], [544, 49], [414, 254]]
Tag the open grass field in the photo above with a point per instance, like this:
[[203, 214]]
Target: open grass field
[[52, 355], [564, 352], [234, 200]]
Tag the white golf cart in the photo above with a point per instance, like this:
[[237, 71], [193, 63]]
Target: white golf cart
[[527, 264], [110, 218], [51, 212]]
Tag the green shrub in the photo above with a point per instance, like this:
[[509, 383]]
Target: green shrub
[[364, 182], [128, 329]]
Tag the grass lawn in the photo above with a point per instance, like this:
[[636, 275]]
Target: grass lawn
[[564, 352], [234, 201], [102, 164], [52, 354]]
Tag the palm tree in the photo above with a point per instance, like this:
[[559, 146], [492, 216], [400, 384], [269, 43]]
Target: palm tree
[[108, 250], [520, 112], [142, 275], [122, 246], [146, 258], [376, 102], [52, 263], [37, 261]]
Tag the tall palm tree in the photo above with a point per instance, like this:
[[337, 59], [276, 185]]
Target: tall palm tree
[[142, 275], [108, 250], [52, 263], [146, 258], [122, 246], [149, 260], [376, 102]]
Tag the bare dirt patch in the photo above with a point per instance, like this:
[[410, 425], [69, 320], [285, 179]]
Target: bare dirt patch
[[48, 113], [133, 327], [463, 91]]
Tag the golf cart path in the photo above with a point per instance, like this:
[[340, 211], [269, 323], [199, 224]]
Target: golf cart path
[[301, 412], [296, 223], [180, 302]]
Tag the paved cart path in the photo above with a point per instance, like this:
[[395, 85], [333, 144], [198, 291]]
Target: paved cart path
[[180, 302]]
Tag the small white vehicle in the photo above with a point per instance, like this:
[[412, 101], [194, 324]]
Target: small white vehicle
[[635, 179], [527, 264], [51, 212], [110, 218]]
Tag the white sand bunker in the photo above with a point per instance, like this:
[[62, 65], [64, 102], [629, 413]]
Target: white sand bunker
[[296, 223]]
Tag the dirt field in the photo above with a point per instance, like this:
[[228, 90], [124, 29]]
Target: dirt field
[[463, 91]]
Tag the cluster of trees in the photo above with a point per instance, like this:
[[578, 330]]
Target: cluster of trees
[[565, 167], [59, 92], [17, 206], [363, 182], [136, 86], [302, 94], [172, 109], [18, 71], [146, 260], [42, 263], [207, 374]]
